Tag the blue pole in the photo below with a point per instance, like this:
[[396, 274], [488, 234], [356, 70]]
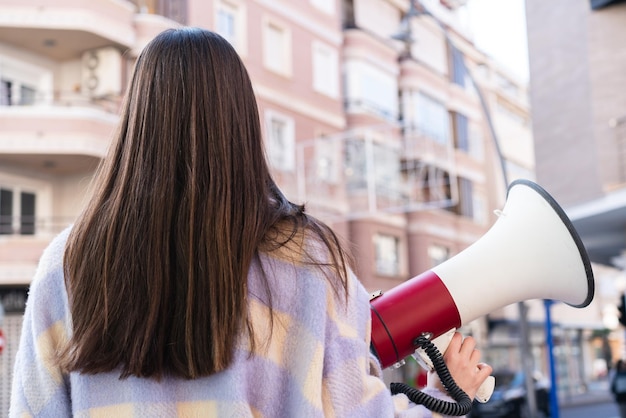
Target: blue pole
[[554, 396]]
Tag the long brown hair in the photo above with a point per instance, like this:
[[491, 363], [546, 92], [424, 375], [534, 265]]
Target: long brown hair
[[156, 266]]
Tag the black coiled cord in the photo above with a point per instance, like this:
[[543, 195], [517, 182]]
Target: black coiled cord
[[463, 404]]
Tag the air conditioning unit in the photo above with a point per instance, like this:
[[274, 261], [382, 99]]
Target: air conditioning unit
[[101, 72]]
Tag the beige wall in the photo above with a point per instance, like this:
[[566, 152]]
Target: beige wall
[[561, 91]]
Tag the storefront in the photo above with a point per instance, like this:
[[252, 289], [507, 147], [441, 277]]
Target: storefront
[[13, 303]]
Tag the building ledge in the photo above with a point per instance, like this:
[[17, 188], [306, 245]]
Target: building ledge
[[66, 30], [601, 224], [72, 139]]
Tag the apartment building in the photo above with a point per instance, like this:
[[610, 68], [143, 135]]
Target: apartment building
[[374, 114]]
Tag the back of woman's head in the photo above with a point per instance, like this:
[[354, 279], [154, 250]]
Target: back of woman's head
[[156, 266], [191, 116]]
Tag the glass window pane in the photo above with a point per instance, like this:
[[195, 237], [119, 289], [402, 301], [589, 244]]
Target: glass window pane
[[6, 211], [27, 95], [387, 257], [433, 118], [281, 142], [275, 48], [27, 215], [5, 93], [226, 23]]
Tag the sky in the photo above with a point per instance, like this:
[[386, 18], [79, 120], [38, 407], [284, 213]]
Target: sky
[[499, 29]]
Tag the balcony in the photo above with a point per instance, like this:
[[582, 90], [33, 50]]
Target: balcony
[[54, 139], [65, 30]]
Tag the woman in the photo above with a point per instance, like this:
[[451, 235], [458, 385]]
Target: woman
[[190, 286], [618, 386]]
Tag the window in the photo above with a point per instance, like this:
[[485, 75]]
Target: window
[[277, 48], [479, 209], [27, 95], [172, 9], [458, 71], [348, 14], [436, 185], [367, 161], [24, 84], [226, 22], [281, 141], [431, 118], [5, 93], [325, 69], [371, 89], [327, 160], [465, 206], [6, 211], [27, 213], [356, 164], [380, 18], [386, 249], [461, 132], [476, 141], [22, 203], [437, 254], [466, 198], [386, 170], [431, 48], [230, 23], [9, 90], [175, 10]]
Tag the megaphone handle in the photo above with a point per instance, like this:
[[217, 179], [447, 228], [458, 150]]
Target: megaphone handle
[[463, 404], [485, 390]]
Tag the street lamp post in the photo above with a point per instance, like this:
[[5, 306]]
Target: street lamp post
[[554, 399]]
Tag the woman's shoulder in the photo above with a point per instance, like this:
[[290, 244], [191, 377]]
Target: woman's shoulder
[[303, 235], [52, 257], [48, 280], [294, 245]]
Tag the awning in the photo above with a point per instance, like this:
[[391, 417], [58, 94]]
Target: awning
[[601, 224], [598, 4]]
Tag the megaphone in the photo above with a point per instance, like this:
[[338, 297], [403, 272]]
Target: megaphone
[[531, 252]]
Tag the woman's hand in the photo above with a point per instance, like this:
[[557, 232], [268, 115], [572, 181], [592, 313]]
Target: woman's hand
[[463, 361]]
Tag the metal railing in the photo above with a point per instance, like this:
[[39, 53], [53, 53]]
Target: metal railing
[[63, 98], [11, 226], [378, 169]]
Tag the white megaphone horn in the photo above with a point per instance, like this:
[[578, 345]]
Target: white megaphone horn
[[531, 252]]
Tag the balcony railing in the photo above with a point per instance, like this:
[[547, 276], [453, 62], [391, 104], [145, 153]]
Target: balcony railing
[[69, 126], [376, 170], [358, 105], [57, 98], [33, 225]]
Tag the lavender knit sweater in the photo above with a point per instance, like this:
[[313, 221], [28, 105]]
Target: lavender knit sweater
[[318, 363]]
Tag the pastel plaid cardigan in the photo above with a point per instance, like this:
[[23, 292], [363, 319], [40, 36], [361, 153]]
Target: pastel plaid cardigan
[[317, 364]]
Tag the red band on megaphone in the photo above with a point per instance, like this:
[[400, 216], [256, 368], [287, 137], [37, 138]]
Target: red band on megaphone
[[420, 305]]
